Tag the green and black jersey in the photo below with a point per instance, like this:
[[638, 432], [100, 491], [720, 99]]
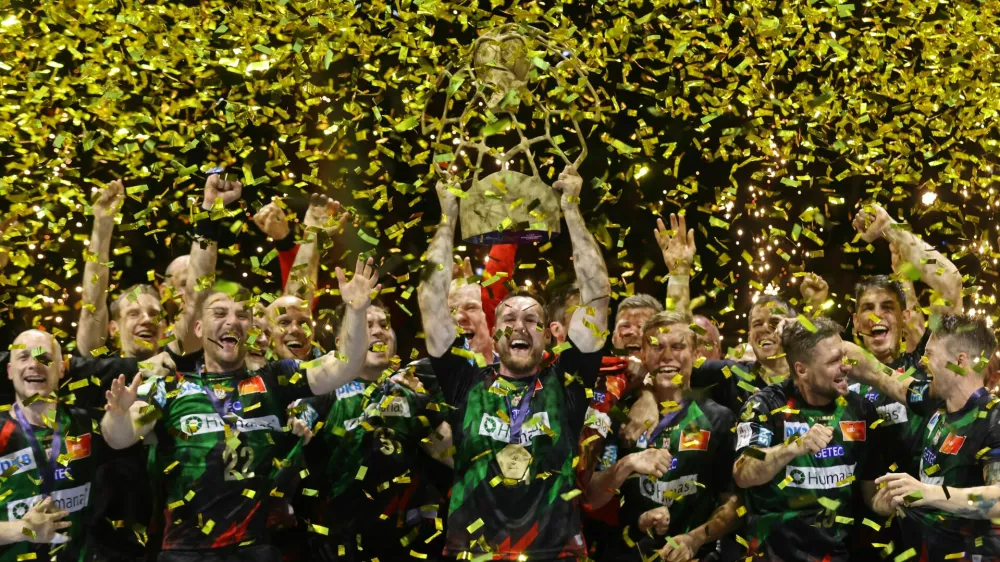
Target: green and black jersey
[[955, 450], [538, 517], [806, 511], [361, 457], [215, 472], [701, 442], [21, 485]]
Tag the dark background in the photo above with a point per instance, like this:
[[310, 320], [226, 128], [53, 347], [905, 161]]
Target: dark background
[[354, 172]]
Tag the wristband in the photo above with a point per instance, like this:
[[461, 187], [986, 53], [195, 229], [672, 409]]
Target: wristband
[[286, 243], [208, 229], [684, 278]]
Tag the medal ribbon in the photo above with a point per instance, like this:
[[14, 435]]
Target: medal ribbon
[[519, 414], [666, 421], [47, 469]]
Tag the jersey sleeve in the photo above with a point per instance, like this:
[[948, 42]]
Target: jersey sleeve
[[873, 464], [585, 367], [287, 380], [453, 372], [918, 398], [756, 428], [722, 475]]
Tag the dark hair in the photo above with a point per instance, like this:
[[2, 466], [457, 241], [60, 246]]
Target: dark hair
[[639, 300], [799, 342], [774, 301], [880, 282], [132, 293], [531, 295], [967, 333], [560, 302]]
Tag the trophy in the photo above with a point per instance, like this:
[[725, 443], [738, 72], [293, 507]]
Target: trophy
[[507, 108]]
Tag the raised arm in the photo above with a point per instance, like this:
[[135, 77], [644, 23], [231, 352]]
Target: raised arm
[[5, 223], [678, 249], [432, 294], [750, 471], [338, 368], [92, 330], [120, 426], [868, 370], [935, 269], [204, 255], [587, 332], [915, 324], [323, 215], [814, 290]]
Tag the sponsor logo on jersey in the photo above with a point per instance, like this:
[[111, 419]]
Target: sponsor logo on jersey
[[397, 407], [833, 452], [492, 426], [598, 420], [608, 457], [78, 447], [872, 396], [893, 413], [600, 397], [252, 385], [665, 493], [23, 459], [929, 458], [352, 388], [854, 387], [853, 430], [932, 480], [199, 424], [819, 477], [794, 429], [695, 440], [764, 437], [187, 389], [952, 444], [71, 500], [63, 473], [917, 395]]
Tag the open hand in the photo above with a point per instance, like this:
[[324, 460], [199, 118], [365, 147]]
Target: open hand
[[121, 396], [357, 293], [43, 522], [678, 248], [272, 220]]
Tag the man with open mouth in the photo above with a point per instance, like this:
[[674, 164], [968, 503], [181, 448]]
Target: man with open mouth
[[952, 503], [682, 501], [49, 454], [806, 447], [220, 430], [517, 419]]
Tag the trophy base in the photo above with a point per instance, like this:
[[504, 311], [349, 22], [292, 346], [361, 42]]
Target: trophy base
[[509, 207]]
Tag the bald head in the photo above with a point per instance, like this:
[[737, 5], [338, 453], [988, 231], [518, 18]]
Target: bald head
[[710, 342], [174, 281], [290, 321], [35, 364]]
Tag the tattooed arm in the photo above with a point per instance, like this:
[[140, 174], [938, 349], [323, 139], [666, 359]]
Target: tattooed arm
[[936, 270], [586, 331], [980, 502], [432, 294]]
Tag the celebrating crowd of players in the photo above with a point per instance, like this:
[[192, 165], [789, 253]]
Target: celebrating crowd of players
[[220, 431]]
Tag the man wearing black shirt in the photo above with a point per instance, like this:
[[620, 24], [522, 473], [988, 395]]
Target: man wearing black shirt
[[949, 506], [515, 424]]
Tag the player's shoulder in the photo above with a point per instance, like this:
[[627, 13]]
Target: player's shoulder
[[772, 396], [717, 413]]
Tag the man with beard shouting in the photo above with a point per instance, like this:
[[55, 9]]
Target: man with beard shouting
[[220, 430], [515, 424]]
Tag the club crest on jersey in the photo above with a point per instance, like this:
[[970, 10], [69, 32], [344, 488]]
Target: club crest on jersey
[[252, 385], [695, 440], [854, 430], [220, 392], [952, 444]]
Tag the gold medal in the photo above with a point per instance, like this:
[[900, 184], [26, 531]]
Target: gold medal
[[514, 461]]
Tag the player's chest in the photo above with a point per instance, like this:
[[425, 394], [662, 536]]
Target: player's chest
[[951, 451], [196, 416], [889, 411], [492, 419], [847, 445]]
